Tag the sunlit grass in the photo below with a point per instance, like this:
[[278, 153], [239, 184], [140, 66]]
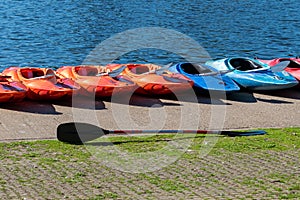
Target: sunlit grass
[[59, 156]]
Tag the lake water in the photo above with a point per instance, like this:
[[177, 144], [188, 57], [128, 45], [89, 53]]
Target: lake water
[[55, 33]]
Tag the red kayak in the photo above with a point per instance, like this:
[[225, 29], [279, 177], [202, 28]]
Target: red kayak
[[11, 91], [42, 83], [150, 82], [95, 80], [293, 68]]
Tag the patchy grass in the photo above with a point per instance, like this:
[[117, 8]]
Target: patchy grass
[[169, 185], [106, 195], [275, 140], [74, 168], [40, 150]]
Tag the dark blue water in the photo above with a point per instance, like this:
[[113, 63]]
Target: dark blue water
[[55, 33]]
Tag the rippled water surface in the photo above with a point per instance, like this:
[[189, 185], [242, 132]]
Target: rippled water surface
[[55, 33]]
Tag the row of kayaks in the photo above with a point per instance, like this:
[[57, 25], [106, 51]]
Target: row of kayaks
[[228, 75]]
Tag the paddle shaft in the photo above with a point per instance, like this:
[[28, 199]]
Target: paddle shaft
[[233, 133], [161, 131]]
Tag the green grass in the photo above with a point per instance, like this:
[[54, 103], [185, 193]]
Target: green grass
[[275, 140], [58, 156], [39, 150], [106, 195], [168, 185]]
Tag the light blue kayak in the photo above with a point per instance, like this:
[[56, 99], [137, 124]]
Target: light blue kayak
[[254, 75], [205, 77]]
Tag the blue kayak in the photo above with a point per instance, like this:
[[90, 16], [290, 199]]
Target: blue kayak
[[205, 77], [253, 74]]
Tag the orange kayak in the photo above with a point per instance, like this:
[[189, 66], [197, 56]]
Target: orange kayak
[[11, 91], [150, 82], [95, 80], [42, 83]]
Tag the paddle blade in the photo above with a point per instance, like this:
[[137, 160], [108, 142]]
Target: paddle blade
[[163, 69], [78, 133], [117, 72], [280, 66]]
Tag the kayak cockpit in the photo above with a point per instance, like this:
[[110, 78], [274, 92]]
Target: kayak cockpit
[[31, 73], [244, 64], [36, 73], [138, 69], [190, 68], [86, 71]]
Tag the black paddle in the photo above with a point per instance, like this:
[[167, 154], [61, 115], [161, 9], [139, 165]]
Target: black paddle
[[78, 132]]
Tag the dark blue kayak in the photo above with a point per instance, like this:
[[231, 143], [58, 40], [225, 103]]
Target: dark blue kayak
[[253, 74], [205, 77]]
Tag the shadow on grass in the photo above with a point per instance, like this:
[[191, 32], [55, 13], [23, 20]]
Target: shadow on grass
[[147, 140]]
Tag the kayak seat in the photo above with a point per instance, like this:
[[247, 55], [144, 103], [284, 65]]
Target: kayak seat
[[138, 69], [86, 71], [194, 69], [244, 64], [27, 74], [32, 73]]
